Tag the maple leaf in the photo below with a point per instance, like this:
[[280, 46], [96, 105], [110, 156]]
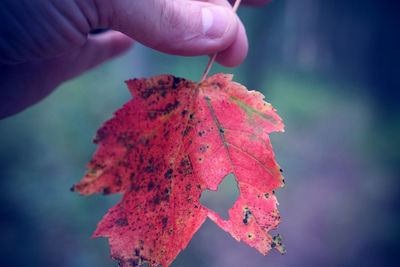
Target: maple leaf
[[173, 140]]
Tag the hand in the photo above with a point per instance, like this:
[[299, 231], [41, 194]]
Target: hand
[[46, 42]]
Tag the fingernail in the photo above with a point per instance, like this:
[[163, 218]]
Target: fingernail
[[216, 21]]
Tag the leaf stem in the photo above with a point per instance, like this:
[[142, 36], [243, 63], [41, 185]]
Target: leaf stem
[[214, 56]]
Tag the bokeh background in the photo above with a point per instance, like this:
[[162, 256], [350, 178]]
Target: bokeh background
[[330, 68]]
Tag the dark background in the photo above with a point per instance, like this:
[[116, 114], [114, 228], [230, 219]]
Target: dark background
[[330, 68]]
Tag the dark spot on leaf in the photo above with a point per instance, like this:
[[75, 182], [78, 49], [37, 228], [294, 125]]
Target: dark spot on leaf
[[164, 221], [175, 82], [221, 130], [150, 186], [101, 135], [185, 166], [146, 142], [106, 191], [150, 169], [135, 187], [273, 245], [200, 134], [247, 214], [121, 222], [148, 92], [280, 170], [168, 174], [170, 106], [156, 199]]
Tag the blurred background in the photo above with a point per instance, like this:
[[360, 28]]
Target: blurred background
[[330, 68]]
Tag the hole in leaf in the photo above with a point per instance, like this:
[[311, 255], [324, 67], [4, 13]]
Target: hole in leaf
[[221, 201]]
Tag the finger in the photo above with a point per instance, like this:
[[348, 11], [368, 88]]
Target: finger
[[26, 84], [243, 2], [237, 52], [179, 27], [253, 2], [98, 49]]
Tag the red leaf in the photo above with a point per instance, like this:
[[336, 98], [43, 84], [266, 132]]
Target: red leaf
[[174, 139]]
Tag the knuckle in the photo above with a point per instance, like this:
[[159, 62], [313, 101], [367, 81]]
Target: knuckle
[[169, 14]]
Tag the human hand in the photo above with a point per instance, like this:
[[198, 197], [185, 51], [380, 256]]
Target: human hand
[[46, 42]]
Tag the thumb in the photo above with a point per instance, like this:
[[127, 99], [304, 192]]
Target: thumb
[[179, 27]]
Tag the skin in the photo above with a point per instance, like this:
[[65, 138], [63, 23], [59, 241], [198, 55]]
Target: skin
[[46, 42]]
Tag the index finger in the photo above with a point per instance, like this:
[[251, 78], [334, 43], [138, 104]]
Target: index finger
[[244, 2]]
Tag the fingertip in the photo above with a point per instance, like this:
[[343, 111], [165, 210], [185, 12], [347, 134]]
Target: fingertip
[[210, 29], [221, 34], [235, 54]]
